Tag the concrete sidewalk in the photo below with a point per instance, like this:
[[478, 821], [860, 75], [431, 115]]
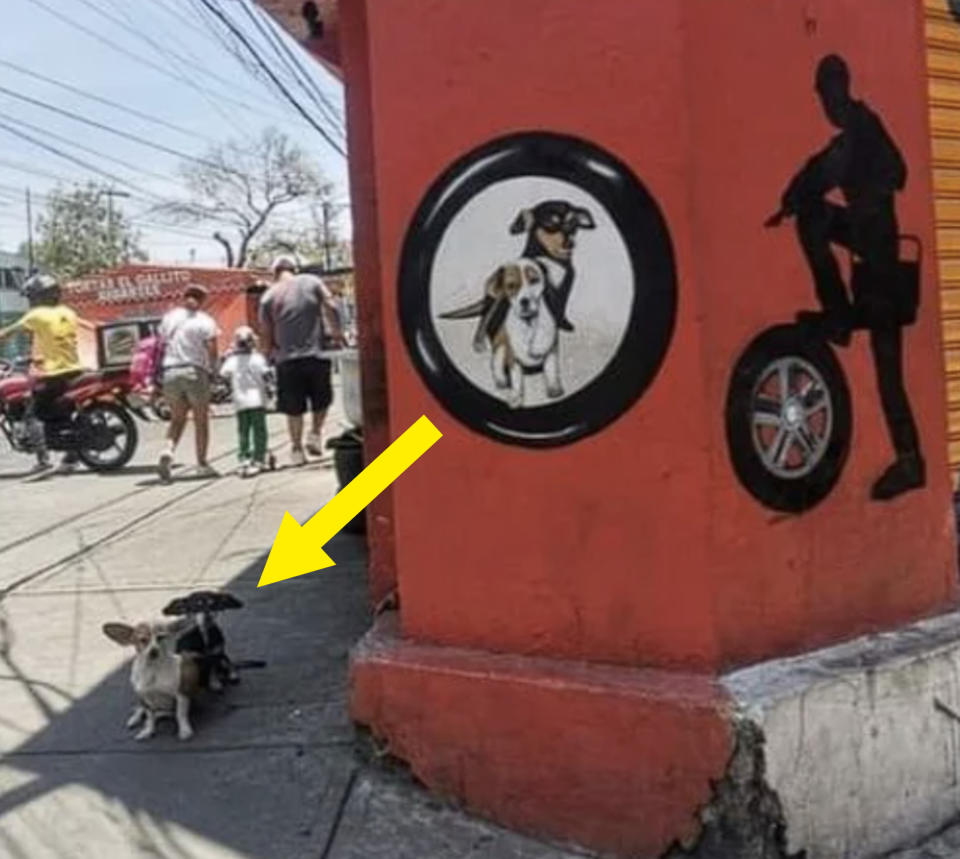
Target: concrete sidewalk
[[273, 770]]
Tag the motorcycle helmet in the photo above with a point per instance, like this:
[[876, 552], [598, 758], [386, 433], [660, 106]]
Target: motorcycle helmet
[[41, 289]]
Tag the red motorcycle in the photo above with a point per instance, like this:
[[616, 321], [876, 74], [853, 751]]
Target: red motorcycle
[[101, 428]]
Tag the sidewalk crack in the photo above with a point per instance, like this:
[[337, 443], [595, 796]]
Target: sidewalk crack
[[341, 808]]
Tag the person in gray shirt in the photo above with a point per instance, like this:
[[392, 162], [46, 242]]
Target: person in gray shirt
[[298, 320]]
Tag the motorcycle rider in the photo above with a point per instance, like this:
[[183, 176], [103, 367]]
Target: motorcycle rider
[[53, 329], [863, 162]]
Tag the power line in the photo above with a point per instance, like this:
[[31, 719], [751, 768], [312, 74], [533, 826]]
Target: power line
[[100, 154], [79, 161], [135, 57], [104, 127], [215, 32], [153, 43], [238, 34], [178, 60], [298, 73], [14, 165], [114, 104]]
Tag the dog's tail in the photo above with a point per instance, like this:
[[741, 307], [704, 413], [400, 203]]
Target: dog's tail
[[478, 308], [244, 664]]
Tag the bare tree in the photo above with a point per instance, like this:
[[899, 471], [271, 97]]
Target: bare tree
[[317, 240], [241, 189]]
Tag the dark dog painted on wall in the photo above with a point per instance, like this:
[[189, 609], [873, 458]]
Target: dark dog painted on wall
[[551, 228], [523, 308]]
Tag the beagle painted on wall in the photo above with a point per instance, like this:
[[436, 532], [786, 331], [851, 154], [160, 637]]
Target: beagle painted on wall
[[524, 304]]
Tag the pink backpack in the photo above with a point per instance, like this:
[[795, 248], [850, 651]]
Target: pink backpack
[[146, 362]]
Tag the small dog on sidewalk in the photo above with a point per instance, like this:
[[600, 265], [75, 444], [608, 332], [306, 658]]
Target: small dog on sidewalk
[[174, 661], [163, 680]]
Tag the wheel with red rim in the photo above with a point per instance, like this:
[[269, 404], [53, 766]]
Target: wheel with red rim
[[789, 419]]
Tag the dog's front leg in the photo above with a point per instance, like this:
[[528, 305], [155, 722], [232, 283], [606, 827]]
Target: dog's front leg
[[551, 374], [149, 728], [499, 368], [184, 731], [515, 396], [136, 717]]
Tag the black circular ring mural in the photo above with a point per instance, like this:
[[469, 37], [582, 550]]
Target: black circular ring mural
[[537, 289]]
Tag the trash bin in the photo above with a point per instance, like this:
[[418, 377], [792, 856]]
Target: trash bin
[[348, 462]]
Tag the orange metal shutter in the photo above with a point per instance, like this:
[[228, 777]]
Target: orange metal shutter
[[943, 61]]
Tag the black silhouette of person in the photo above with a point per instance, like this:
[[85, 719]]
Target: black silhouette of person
[[864, 163]]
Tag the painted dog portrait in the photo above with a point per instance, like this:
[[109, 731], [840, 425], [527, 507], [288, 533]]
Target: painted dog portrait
[[523, 307]]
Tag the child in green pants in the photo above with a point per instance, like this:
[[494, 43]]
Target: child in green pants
[[247, 371]]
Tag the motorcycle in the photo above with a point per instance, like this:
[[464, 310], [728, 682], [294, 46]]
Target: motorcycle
[[789, 414], [101, 427]]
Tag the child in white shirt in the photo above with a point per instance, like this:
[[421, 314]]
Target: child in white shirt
[[247, 371]]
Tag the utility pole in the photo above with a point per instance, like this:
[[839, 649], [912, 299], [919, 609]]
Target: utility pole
[[326, 236], [110, 194], [29, 236]]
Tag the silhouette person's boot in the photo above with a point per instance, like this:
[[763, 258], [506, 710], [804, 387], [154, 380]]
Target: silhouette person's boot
[[907, 472]]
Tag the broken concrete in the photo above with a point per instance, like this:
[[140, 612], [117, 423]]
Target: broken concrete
[[744, 819], [860, 744]]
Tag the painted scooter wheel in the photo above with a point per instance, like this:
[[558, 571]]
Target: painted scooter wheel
[[789, 419]]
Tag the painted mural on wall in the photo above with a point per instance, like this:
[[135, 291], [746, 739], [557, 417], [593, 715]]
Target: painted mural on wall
[[538, 289], [789, 420]]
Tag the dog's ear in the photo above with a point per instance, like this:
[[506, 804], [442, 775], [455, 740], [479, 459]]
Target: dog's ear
[[584, 219], [523, 222], [494, 286], [121, 633]]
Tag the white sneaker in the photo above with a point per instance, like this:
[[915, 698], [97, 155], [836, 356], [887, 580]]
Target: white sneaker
[[207, 470], [253, 469], [165, 466], [298, 457], [243, 467], [315, 444]]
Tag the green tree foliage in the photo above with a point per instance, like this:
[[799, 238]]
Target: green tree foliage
[[80, 233]]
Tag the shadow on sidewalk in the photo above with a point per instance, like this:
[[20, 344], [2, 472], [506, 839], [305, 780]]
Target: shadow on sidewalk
[[267, 770]]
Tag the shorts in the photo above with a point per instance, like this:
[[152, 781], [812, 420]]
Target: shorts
[[301, 381], [187, 384]]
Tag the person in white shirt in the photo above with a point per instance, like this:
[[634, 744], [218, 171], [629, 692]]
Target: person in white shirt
[[247, 371], [189, 357]]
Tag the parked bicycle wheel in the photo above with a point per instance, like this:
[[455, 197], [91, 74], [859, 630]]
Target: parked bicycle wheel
[[789, 419]]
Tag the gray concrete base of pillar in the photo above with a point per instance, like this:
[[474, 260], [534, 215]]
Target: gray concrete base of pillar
[[844, 753]]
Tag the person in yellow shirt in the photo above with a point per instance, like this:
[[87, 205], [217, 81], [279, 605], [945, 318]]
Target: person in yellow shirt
[[53, 329]]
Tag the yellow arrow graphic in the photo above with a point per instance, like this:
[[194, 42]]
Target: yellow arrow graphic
[[298, 549]]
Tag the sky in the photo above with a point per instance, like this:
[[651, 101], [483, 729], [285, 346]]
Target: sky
[[169, 59]]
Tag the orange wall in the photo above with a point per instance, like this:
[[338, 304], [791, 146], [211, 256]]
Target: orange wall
[[849, 564], [97, 299], [638, 544]]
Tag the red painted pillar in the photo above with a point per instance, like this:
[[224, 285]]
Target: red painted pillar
[[650, 472]]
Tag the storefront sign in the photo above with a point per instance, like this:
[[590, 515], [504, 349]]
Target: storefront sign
[[145, 286]]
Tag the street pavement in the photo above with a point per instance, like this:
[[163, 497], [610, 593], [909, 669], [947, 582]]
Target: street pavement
[[273, 771]]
